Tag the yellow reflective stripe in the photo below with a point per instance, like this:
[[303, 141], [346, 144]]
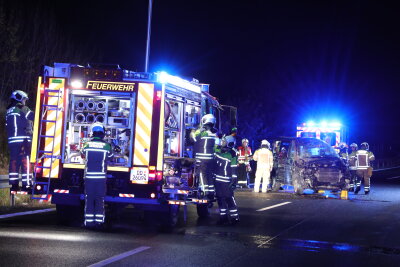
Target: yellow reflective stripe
[[160, 154], [144, 114], [36, 122]]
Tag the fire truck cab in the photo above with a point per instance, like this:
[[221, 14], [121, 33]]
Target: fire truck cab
[[148, 119]]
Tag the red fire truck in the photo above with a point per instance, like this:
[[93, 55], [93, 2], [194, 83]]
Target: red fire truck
[[148, 119]]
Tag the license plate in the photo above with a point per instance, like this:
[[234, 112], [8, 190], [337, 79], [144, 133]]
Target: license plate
[[139, 175]]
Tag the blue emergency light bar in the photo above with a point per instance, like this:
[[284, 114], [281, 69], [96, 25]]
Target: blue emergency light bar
[[325, 124], [166, 78]]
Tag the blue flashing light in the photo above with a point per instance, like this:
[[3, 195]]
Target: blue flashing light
[[324, 124], [163, 77], [310, 123], [335, 124]]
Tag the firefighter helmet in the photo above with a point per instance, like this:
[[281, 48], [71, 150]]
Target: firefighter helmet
[[98, 128], [354, 145], [245, 140], [265, 143], [230, 141], [342, 145], [19, 95], [365, 146], [208, 119]]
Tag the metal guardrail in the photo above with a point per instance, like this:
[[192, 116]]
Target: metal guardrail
[[4, 181]]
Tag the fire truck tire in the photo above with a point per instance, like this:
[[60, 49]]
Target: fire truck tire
[[203, 210]]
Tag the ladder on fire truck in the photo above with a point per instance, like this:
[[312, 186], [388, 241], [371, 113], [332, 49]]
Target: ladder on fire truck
[[42, 152]]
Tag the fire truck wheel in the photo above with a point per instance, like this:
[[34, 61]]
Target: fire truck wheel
[[203, 210]]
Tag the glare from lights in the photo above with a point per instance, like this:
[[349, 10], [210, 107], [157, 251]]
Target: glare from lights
[[152, 195], [335, 124], [76, 84], [324, 124], [165, 78], [310, 123]]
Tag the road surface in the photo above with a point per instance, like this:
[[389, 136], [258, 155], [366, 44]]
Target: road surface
[[277, 229]]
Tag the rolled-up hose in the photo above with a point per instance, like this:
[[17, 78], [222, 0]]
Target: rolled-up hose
[[80, 105], [101, 105], [80, 118], [91, 105], [90, 118], [100, 118]]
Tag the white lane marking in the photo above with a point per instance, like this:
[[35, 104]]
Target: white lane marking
[[25, 213], [396, 177], [274, 206], [119, 257]]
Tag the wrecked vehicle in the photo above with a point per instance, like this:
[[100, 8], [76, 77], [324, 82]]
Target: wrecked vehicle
[[308, 163]]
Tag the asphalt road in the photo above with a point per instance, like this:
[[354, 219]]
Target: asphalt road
[[289, 231]]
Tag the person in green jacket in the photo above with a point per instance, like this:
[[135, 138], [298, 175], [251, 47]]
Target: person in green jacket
[[225, 181]]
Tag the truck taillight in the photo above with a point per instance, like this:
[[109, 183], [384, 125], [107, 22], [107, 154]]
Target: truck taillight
[[155, 175], [158, 95], [38, 170]]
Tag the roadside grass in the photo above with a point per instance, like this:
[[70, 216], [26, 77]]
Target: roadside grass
[[22, 203]]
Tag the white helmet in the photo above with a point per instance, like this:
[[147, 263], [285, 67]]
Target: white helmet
[[19, 95], [265, 143], [245, 140], [354, 145], [208, 119], [365, 146], [230, 140], [98, 127]]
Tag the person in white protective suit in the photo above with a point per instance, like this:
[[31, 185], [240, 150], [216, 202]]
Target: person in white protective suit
[[264, 159]]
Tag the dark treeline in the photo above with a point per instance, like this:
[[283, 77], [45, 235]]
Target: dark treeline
[[30, 37]]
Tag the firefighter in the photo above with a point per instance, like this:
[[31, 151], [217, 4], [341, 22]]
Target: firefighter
[[96, 153], [226, 181], [19, 120], [352, 166], [244, 157], [264, 159], [204, 142], [364, 168], [343, 152]]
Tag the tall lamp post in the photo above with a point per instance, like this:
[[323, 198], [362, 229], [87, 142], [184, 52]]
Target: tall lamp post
[[148, 35]]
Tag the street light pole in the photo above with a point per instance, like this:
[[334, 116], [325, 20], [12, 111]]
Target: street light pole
[[148, 35]]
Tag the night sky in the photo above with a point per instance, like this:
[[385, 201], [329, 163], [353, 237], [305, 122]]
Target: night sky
[[298, 60]]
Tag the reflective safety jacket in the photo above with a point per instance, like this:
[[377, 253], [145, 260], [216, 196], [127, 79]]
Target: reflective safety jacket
[[363, 159], [97, 153], [19, 124], [226, 166], [204, 144], [244, 154], [264, 158]]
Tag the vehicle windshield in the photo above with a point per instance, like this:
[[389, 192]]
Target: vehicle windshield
[[315, 148]]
